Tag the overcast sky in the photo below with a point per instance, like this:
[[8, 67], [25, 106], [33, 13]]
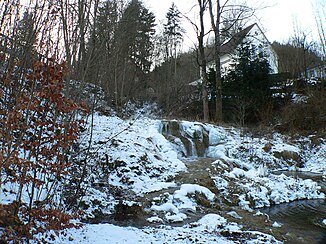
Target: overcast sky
[[277, 20]]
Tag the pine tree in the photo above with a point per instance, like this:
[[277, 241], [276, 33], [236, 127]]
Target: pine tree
[[135, 33], [100, 46], [173, 32], [120, 49], [246, 88], [25, 39]]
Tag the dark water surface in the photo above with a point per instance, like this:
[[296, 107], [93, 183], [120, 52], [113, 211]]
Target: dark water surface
[[302, 220]]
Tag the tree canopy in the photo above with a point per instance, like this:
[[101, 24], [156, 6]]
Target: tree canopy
[[246, 87]]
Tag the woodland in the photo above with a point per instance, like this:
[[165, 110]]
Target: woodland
[[55, 57]]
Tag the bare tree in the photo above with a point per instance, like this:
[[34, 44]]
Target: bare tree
[[305, 50], [202, 57], [216, 22], [31, 85], [320, 16], [240, 12]]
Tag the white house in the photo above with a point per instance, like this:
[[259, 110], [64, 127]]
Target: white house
[[255, 36]]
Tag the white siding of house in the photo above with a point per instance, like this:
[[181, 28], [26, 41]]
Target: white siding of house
[[257, 38]]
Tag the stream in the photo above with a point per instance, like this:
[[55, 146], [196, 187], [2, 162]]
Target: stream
[[301, 221]]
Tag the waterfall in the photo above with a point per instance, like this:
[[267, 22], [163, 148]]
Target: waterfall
[[191, 140]]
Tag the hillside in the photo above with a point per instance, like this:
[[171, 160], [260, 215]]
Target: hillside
[[180, 182]]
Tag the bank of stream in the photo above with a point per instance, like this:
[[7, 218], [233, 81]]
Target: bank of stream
[[299, 221], [229, 175]]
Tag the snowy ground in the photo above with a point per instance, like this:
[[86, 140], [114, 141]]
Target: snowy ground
[[142, 160], [134, 158], [208, 229]]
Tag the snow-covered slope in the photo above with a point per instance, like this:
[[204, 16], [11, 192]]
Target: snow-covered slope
[[134, 154], [138, 157]]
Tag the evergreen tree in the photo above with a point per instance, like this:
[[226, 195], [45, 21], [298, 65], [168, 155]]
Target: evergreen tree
[[135, 33], [173, 32], [120, 49], [100, 46], [25, 39], [246, 87]]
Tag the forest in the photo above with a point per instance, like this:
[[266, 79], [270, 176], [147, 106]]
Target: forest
[[63, 62]]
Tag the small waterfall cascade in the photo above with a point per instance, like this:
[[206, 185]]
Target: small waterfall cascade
[[191, 140]]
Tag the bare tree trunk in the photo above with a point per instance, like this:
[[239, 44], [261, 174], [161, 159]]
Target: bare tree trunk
[[217, 57], [320, 15], [241, 13], [64, 20], [202, 59]]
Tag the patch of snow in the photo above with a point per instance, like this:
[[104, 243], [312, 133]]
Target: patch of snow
[[186, 189], [179, 217], [220, 183], [155, 219], [244, 203], [234, 214], [276, 225], [137, 148], [315, 161], [258, 213], [217, 136], [211, 222], [156, 186], [233, 227], [276, 189], [181, 200], [204, 231], [281, 147], [297, 98], [219, 152], [166, 207]]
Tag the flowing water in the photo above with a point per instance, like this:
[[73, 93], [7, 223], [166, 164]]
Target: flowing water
[[301, 220]]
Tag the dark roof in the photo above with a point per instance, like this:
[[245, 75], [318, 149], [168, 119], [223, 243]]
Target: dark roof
[[230, 45], [235, 40]]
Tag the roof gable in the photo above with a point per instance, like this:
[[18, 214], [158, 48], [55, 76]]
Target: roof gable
[[232, 44]]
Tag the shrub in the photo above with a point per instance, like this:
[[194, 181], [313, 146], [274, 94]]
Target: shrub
[[37, 128], [306, 116]]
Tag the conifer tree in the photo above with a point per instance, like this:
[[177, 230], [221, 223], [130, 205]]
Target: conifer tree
[[173, 33], [25, 39], [135, 33], [246, 86]]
